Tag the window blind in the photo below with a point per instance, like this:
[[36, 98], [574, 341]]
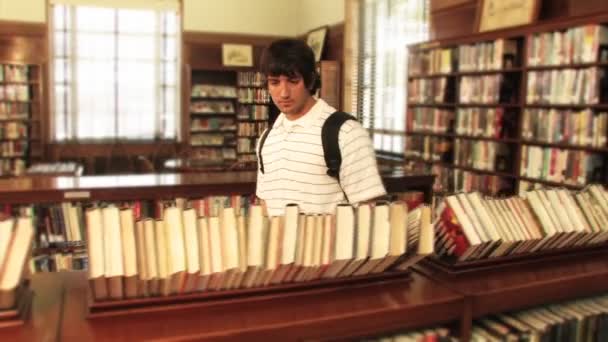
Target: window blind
[[377, 35]]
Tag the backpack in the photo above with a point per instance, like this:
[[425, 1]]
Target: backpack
[[329, 139]]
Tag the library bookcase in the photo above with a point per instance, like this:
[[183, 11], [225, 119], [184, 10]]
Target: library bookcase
[[509, 110], [20, 117]]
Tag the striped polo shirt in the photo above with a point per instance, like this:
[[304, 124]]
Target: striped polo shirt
[[295, 170]]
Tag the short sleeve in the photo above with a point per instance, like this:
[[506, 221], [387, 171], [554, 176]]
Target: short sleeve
[[359, 176]]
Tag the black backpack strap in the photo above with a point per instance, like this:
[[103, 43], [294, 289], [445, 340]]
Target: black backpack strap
[[260, 145], [331, 146]]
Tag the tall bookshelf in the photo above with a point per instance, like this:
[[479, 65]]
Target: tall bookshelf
[[253, 115], [20, 105], [212, 119], [228, 111], [510, 110]]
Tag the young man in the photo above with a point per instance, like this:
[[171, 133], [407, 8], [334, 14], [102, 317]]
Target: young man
[[294, 166]]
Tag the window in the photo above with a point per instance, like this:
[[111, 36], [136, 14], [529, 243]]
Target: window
[[115, 73], [379, 37]]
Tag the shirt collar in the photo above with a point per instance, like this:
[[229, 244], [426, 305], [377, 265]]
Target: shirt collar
[[305, 120]]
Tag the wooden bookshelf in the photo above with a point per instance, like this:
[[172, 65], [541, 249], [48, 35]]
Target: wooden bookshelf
[[538, 281], [210, 128], [255, 109], [20, 106], [454, 67]]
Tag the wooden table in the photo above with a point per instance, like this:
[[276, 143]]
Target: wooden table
[[342, 312]]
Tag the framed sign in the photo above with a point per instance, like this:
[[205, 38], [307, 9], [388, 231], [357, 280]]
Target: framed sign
[[316, 40], [497, 14], [237, 55]]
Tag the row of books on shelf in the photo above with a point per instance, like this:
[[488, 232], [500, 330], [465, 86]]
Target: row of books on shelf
[[16, 236], [184, 253], [251, 79], [567, 86], [562, 165], [483, 155], [470, 227], [434, 90], [484, 122], [246, 145], [212, 124], [251, 129], [581, 128], [14, 92], [12, 167], [253, 95], [253, 112], [212, 107], [584, 44], [474, 122], [213, 139], [487, 89], [13, 130], [16, 148], [494, 55], [57, 262], [14, 73], [426, 119], [451, 180], [214, 154], [213, 91], [15, 111], [575, 320], [584, 319]]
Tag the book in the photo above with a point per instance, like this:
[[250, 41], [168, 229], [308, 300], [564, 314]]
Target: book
[[191, 244], [129, 253], [113, 252], [15, 266], [342, 250]]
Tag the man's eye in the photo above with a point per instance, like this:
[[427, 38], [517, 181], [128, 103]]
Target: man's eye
[[294, 80]]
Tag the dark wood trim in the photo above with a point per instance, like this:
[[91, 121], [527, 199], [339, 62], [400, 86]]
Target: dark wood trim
[[198, 37], [441, 7], [541, 26], [22, 28]]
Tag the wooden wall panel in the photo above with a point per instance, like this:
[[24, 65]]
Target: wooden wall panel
[[454, 21], [456, 18], [334, 43], [204, 50]]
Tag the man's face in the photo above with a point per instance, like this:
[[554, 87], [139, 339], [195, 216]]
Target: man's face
[[289, 94]]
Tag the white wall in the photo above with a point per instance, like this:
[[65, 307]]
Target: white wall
[[258, 17], [314, 13], [23, 10], [261, 17]]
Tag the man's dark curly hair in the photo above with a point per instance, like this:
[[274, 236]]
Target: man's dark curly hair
[[291, 58]]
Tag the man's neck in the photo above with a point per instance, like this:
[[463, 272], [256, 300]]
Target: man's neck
[[307, 106]]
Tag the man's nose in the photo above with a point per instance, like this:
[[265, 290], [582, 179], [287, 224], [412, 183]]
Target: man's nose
[[284, 89]]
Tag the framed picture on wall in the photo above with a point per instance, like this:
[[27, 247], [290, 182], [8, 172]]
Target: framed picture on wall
[[237, 55], [498, 14], [316, 40]]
